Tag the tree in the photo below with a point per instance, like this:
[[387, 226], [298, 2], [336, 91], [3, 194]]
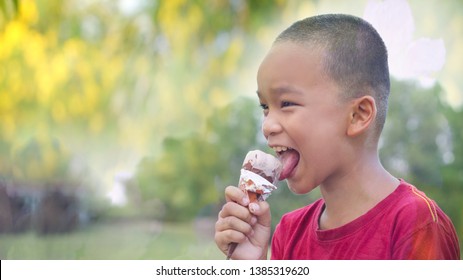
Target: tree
[[191, 171], [415, 139]]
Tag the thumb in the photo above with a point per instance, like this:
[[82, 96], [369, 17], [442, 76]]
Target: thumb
[[261, 210]]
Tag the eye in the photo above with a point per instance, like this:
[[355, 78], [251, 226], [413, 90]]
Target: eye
[[287, 104], [264, 108]]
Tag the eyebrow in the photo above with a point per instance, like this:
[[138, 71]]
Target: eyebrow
[[282, 89]]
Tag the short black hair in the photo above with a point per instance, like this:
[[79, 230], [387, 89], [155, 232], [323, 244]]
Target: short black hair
[[355, 55]]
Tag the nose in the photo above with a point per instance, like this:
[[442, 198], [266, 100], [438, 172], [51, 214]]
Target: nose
[[271, 125]]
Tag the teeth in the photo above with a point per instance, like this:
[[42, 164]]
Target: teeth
[[279, 149]]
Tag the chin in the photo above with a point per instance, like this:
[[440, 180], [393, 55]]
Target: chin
[[300, 187], [297, 188]]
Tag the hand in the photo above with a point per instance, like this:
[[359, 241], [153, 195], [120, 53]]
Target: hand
[[247, 224]]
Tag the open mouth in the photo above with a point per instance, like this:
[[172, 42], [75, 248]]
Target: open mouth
[[289, 158]]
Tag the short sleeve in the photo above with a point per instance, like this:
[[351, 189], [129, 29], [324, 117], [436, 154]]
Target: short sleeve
[[432, 242]]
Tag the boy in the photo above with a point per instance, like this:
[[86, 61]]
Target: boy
[[323, 88]]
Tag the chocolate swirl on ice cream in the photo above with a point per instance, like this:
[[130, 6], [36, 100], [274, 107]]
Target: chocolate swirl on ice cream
[[263, 164], [259, 175]]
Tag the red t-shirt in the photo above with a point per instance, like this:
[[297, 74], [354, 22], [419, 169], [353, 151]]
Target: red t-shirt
[[405, 225]]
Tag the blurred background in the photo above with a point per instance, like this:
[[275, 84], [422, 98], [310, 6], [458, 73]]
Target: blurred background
[[121, 122]]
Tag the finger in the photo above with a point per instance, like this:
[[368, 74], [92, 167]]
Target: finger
[[233, 223], [236, 210], [235, 236], [233, 193], [261, 210], [224, 238]]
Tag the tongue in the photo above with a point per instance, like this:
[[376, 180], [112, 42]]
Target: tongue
[[289, 160]]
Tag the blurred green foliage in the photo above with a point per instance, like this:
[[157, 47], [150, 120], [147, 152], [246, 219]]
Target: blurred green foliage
[[161, 89], [416, 142], [160, 83], [186, 175]]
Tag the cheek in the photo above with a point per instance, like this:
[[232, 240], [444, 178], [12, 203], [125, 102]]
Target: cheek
[[299, 126]]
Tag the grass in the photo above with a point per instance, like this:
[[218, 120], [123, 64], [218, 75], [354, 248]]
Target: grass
[[117, 240]]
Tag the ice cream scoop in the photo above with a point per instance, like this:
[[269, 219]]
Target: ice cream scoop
[[259, 175]]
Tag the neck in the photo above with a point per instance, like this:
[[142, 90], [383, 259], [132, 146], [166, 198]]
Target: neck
[[353, 192]]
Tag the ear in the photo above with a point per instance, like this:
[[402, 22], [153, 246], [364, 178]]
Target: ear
[[362, 115]]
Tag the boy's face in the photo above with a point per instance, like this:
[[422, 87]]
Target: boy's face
[[302, 112]]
